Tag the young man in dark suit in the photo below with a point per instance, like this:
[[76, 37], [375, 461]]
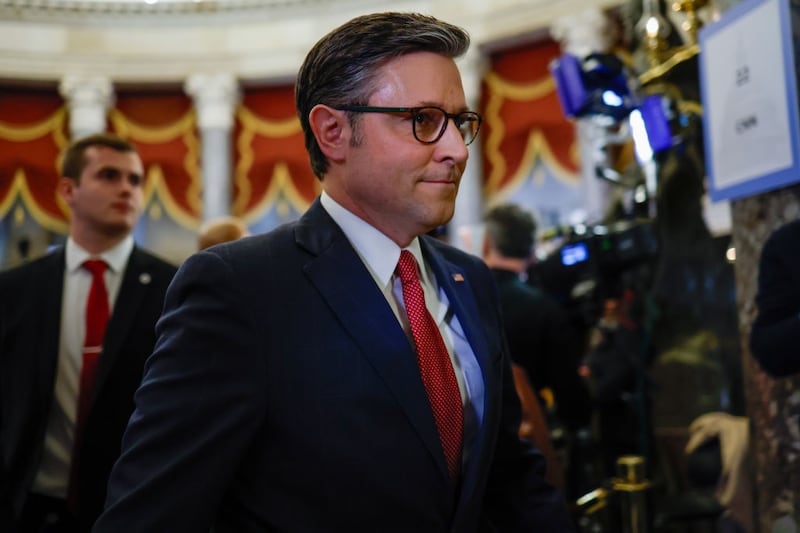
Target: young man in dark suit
[[344, 372], [55, 455]]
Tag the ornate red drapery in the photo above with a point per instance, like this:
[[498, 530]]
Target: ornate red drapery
[[523, 124], [523, 120]]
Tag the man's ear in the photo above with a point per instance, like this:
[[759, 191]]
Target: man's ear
[[332, 130], [66, 188]]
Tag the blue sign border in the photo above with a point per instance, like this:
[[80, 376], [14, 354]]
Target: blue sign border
[[773, 180]]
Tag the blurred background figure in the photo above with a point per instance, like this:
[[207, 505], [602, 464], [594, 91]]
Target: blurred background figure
[[776, 330], [612, 367], [540, 338], [77, 326], [219, 230]]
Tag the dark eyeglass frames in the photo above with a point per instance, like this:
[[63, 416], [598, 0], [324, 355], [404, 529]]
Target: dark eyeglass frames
[[430, 122]]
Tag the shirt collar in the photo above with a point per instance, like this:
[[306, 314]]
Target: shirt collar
[[115, 257], [376, 250]]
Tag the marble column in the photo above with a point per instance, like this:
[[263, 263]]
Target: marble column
[[771, 403], [464, 227], [88, 100], [215, 99], [581, 34]]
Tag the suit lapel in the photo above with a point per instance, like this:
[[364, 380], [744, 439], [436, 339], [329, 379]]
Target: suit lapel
[[51, 291], [348, 288], [456, 285], [124, 314]]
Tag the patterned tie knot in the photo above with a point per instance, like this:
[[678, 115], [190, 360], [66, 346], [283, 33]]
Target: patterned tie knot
[[407, 267], [96, 266]]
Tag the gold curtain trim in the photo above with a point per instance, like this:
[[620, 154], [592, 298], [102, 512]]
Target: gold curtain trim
[[53, 125], [281, 181], [19, 133], [126, 127], [19, 188], [156, 187], [520, 91], [500, 90], [493, 142], [243, 166], [280, 185], [183, 128], [537, 147], [268, 128]]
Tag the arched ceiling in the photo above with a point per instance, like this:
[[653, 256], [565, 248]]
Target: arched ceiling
[[259, 40]]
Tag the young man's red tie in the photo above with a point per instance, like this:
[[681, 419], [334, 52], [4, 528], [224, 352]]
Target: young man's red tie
[[97, 313]]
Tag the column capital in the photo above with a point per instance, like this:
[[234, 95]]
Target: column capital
[[88, 99], [472, 66], [584, 32], [215, 98]]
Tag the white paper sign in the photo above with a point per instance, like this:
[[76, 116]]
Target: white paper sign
[[746, 100]]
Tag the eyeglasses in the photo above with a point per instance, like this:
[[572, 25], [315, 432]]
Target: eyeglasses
[[429, 123]]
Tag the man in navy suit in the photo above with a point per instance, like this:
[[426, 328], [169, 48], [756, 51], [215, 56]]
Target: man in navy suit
[[42, 327], [284, 393]]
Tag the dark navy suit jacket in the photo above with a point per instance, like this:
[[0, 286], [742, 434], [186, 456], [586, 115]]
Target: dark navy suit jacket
[[30, 322], [283, 395]]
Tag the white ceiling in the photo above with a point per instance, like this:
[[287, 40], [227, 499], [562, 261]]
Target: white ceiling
[[259, 40]]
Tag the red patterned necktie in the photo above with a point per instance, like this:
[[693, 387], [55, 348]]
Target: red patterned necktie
[[97, 313], [434, 364]]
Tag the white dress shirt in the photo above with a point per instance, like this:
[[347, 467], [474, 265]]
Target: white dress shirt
[[52, 477], [380, 255]]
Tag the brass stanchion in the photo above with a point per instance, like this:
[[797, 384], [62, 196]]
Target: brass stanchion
[[631, 485], [627, 492]]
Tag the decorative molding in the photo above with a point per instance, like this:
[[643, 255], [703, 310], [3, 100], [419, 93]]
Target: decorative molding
[[255, 40], [182, 11]]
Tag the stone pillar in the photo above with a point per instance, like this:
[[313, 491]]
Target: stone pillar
[[88, 100], [581, 34], [215, 99], [771, 403], [463, 228]]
